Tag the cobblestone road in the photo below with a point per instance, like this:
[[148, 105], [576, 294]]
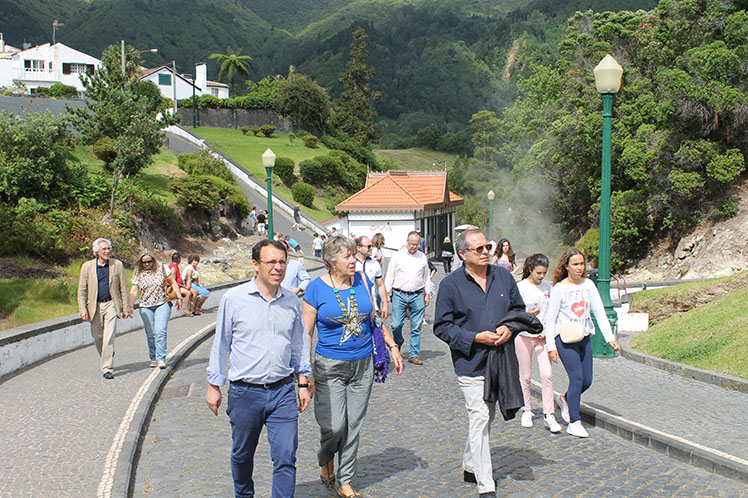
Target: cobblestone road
[[411, 447]]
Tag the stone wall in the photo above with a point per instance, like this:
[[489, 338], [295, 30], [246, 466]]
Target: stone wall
[[236, 118]]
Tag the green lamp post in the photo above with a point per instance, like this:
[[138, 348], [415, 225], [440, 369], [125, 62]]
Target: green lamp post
[[491, 196], [268, 160], [607, 81]]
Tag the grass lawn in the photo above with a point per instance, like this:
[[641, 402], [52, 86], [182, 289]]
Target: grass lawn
[[247, 150], [417, 159], [29, 300], [711, 337]]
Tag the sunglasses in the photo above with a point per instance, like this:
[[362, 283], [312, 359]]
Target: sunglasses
[[366, 247], [481, 249], [146, 261]]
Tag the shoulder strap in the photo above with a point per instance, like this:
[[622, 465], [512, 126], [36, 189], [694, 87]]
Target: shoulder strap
[[368, 291]]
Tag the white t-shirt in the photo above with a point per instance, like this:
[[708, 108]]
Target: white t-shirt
[[573, 303], [535, 295], [372, 270]]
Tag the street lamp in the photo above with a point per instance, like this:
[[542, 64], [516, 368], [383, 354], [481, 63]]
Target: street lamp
[[122, 46], [607, 81], [268, 160], [491, 196]]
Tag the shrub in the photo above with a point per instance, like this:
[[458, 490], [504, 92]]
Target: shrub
[[103, 149], [726, 209], [589, 245], [186, 161], [208, 101], [303, 193], [41, 91], [284, 167], [303, 133], [255, 131], [204, 163], [59, 90], [361, 153], [310, 141], [267, 130], [313, 172], [238, 201], [203, 192], [291, 137], [142, 202], [391, 141], [244, 130], [351, 174]]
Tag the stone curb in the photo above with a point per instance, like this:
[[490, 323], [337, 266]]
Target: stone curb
[[123, 480], [717, 379]]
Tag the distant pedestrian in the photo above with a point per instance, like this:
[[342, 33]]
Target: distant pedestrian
[[568, 328], [102, 298], [470, 303], [192, 281], [448, 251], [504, 256], [368, 265], [317, 245], [260, 328], [297, 278], [253, 219], [293, 245], [377, 243], [261, 227], [408, 281], [422, 246], [296, 216], [148, 282], [535, 293]]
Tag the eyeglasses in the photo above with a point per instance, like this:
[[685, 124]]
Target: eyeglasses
[[146, 261], [274, 263], [480, 249], [366, 247]]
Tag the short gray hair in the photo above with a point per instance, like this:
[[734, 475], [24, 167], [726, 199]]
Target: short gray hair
[[332, 246], [412, 233], [97, 243], [461, 242]]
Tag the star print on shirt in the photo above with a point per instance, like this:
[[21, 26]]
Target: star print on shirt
[[351, 323]]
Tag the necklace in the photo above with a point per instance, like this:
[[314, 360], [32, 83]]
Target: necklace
[[349, 319]]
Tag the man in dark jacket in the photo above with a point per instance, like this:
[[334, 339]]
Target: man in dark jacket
[[470, 302]]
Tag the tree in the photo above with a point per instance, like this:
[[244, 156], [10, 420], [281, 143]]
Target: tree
[[232, 65], [124, 110], [354, 110], [305, 102]]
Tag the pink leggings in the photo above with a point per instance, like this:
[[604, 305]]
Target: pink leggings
[[525, 347]]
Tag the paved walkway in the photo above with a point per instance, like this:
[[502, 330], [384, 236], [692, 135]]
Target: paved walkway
[[60, 418]]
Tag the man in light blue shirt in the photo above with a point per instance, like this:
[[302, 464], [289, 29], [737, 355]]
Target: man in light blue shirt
[[297, 279], [260, 328]]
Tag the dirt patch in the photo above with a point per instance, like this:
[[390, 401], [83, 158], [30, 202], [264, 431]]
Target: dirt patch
[[26, 268]]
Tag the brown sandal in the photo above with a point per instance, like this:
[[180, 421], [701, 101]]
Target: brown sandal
[[352, 495]]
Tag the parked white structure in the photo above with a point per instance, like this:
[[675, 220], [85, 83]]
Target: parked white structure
[[44, 65], [164, 78]]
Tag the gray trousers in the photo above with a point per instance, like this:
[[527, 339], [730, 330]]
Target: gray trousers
[[340, 403]]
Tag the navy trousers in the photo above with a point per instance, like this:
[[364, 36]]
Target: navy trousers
[[249, 408], [577, 360]]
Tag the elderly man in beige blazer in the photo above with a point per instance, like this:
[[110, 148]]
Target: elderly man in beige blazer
[[102, 293]]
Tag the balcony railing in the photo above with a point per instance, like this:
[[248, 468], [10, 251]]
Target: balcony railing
[[35, 75]]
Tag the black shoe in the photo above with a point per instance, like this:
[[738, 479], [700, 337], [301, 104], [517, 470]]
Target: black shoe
[[108, 375], [469, 477], [491, 494]]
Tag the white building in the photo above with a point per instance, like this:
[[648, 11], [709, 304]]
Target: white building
[[395, 203], [164, 78], [44, 65]]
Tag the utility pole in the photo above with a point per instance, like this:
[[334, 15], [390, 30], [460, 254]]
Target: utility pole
[[174, 84]]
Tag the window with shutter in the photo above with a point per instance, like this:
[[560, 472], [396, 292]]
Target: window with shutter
[[66, 68]]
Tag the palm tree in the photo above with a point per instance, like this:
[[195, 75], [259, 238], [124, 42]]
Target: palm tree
[[232, 64]]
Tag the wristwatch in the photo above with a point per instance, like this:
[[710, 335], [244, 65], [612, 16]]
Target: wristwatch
[[303, 386]]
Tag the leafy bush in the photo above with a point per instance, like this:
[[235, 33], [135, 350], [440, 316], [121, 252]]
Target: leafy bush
[[206, 193], [238, 201], [284, 168], [255, 131], [144, 203], [303, 133], [310, 141], [726, 209], [313, 172], [589, 245], [303, 193], [291, 137], [103, 149], [204, 163], [58, 90], [41, 91], [267, 130], [244, 130], [208, 101], [340, 141], [392, 141]]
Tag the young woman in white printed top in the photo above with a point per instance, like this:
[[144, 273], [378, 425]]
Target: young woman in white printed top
[[535, 293], [572, 298]]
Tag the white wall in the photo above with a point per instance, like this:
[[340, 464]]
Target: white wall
[[54, 56], [223, 92], [184, 88], [395, 226], [6, 71]]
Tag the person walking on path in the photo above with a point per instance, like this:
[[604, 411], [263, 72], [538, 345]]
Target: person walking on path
[[448, 251], [377, 243], [253, 220], [365, 263], [408, 278], [155, 309], [535, 293], [260, 327], [568, 329], [470, 303], [102, 297], [317, 245], [338, 305], [261, 227], [296, 216], [504, 256], [192, 281]]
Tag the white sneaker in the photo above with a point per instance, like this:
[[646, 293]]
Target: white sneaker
[[153, 364], [550, 422], [526, 419], [161, 365], [564, 409], [577, 429]]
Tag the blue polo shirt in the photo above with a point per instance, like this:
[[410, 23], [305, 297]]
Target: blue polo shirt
[[463, 310], [102, 276]]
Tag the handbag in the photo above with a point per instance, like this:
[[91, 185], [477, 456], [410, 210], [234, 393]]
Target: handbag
[[171, 294], [381, 353], [571, 332], [446, 254]]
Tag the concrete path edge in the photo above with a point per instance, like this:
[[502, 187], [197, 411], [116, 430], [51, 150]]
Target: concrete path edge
[[717, 379], [123, 481]]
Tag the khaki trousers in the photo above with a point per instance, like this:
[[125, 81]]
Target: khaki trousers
[[103, 330]]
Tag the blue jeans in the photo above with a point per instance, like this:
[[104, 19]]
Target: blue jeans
[[155, 320], [415, 302], [201, 291], [249, 408], [577, 360]]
